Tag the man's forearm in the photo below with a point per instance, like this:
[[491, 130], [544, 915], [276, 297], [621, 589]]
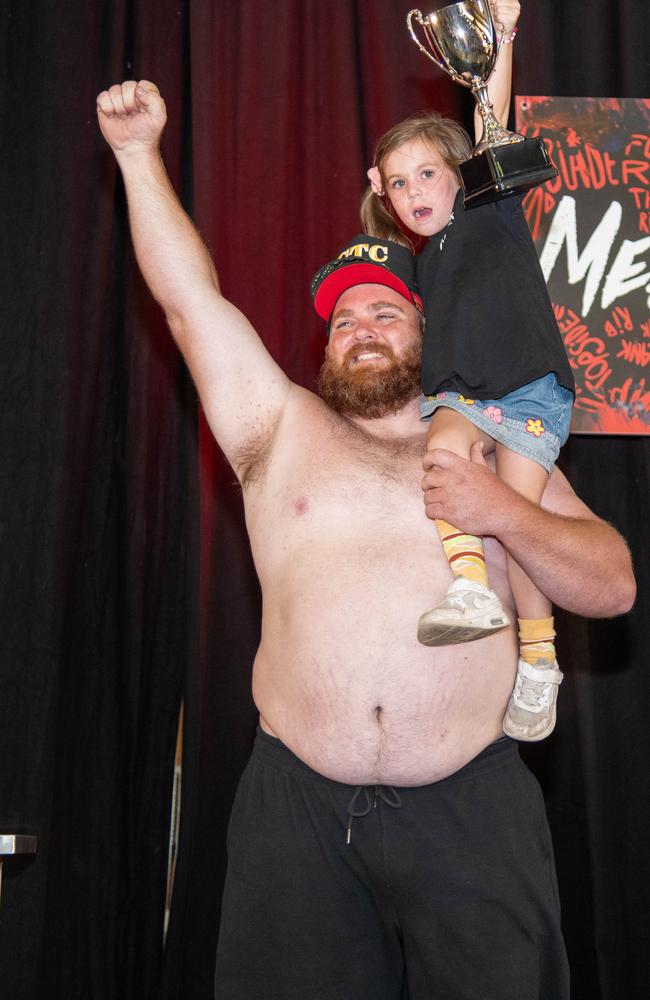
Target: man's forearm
[[172, 256], [580, 564], [170, 252]]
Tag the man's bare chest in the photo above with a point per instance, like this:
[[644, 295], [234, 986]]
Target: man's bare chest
[[340, 474]]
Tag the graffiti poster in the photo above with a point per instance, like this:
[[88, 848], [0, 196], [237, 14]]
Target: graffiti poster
[[591, 226]]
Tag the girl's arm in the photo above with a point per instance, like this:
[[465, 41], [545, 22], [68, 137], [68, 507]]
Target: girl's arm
[[505, 14]]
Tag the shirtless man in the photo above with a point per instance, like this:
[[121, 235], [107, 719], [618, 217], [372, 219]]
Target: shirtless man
[[386, 837]]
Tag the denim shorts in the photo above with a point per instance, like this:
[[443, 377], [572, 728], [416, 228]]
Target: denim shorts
[[533, 420]]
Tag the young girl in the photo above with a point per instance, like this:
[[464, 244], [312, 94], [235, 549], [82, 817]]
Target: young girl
[[493, 364]]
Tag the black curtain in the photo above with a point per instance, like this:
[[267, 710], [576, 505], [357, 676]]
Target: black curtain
[[100, 518], [127, 582]]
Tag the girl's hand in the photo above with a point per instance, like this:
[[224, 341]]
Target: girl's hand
[[505, 14]]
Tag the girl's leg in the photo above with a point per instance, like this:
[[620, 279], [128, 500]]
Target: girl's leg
[[531, 711], [470, 610], [453, 432]]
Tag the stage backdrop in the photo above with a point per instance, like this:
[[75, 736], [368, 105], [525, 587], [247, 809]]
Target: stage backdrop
[[591, 225], [273, 112]]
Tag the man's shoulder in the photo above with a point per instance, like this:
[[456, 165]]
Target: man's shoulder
[[305, 405]]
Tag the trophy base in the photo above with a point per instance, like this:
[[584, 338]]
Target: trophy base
[[502, 171]]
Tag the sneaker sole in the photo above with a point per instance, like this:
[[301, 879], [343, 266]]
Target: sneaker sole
[[517, 732], [437, 634]]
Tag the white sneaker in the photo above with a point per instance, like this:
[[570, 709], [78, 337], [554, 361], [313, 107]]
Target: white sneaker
[[469, 611], [530, 714]]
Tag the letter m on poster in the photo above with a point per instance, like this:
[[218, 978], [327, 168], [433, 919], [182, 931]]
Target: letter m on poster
[[591, 227]]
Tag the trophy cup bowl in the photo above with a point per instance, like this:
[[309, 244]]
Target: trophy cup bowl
[[462, 40]]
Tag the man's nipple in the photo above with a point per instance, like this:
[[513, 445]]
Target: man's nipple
[[301, 506]]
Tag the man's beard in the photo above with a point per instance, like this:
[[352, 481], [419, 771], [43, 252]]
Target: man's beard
[[371, 391]]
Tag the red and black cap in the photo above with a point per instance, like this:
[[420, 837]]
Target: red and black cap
[[366, 260]]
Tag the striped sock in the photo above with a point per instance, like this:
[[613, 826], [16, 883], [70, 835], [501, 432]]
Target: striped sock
[[464, 553], [536, 637]]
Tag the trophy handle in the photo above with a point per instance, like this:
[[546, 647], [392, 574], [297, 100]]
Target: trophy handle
[[417, 14]]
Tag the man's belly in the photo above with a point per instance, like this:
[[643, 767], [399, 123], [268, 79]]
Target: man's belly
[[340, 677], [363, 702]]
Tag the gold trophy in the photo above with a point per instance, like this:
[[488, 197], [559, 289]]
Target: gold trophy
[[462, 40]]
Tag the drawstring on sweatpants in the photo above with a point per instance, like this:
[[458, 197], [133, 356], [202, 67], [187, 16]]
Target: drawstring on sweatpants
[[371, 795]]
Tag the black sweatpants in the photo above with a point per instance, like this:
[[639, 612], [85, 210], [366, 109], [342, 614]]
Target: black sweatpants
[[444, 891]]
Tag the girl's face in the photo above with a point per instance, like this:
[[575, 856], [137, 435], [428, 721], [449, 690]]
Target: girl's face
[[421, 187]]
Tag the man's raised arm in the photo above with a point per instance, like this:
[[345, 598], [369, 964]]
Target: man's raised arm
[[242, 390]]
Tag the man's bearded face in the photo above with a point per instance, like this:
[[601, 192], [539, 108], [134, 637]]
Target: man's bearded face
[[368, 389]]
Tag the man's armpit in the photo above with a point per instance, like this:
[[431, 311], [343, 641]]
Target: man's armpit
[[250, 461]]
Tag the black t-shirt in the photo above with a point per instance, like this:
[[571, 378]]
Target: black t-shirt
[[490, 326]]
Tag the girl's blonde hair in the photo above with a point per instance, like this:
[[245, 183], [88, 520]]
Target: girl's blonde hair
[[444, 135]]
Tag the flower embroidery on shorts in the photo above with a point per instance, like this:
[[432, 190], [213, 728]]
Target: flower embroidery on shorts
[[468, 402], [494, 413], [535, 427]]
